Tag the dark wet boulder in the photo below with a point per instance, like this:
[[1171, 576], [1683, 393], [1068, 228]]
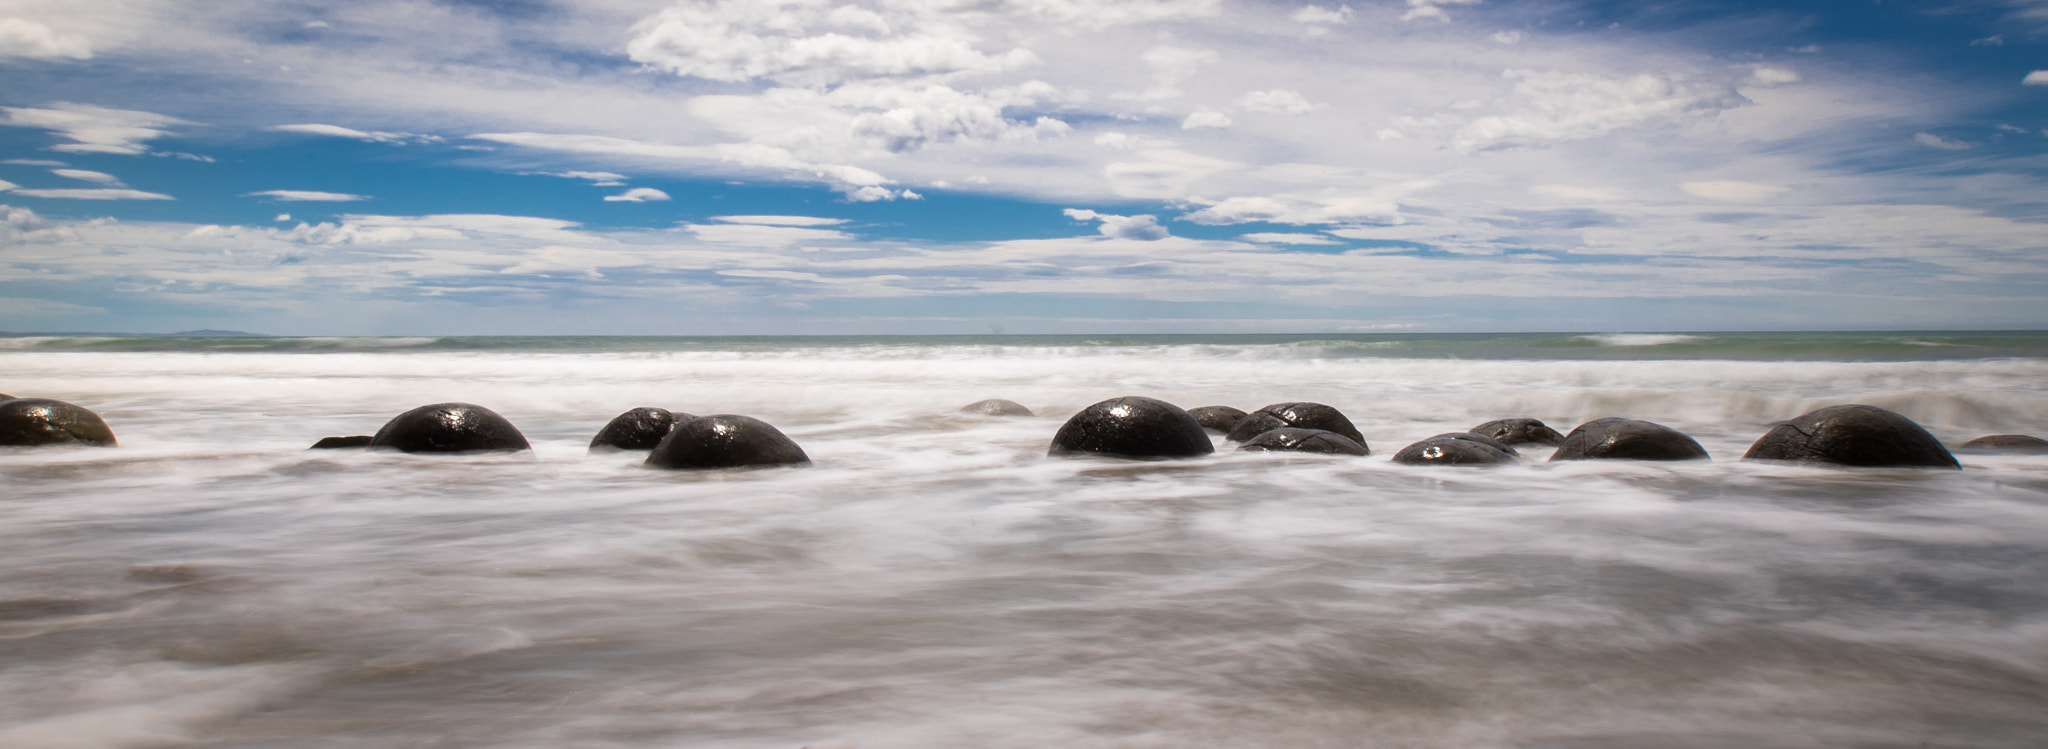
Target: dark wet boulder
[[996, 407], [334, 443], [449, 428], [1457, 449], [1519, 432], [2008, 443], [725, 441], [1218, 419], [1627, 439], [41, 421], [639, 429], [1852, 435], [1133, 427], [1290, 439], [1297, 415], [6, 397]]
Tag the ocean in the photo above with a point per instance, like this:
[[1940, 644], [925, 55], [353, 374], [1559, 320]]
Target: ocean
[[933, 579]]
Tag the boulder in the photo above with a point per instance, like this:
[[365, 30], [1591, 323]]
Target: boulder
[[332, 443], [639, 429], [1132, 427], [725, 441], [1852, 435], [1457, 448], [1627, 439], [996, 407], [2008, 443], [449, 428], [1290, 439], [1297, 415], [1218, 419], [1519, 432], [41, 421], [6, 397]]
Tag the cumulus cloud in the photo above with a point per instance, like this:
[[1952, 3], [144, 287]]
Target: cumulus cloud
[[1554, 106], [637, 195], [306, 196], [1319, 19], [373, 136], [93, 129], [1931, 140], [1144, 228], [1207, 118], [1432, 9], [2036, 78], [20, 37], [94, 194], [1277, 101], [807, 43]]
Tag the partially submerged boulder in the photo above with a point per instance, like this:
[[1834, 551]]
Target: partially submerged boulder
[[1457, 448], [1218, 419], [2008, 443], [1519, 431], [1132, 426], [725, 441], [1627, 439], [1290, 439], [996, 407], [449, 428], [41, 421], [1298, 415], [1852, 435], [334, 443], [639, 429]]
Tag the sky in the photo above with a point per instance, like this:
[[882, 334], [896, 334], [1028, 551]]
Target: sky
[[629, 167]]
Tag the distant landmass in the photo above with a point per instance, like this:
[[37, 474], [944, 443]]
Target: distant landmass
[[179, 334]]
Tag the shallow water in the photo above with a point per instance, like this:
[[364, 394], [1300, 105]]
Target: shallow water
[[934, 580]]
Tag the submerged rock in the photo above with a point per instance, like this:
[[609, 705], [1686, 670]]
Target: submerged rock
[[1218, 419], [1133, 427], [449, 428], [996, 407], [1852, 435], [1519, 432], [725, 441], [1627, 439], [1290, 439], [1297, 415], [2009, 443], [1457, 448], [639, 429], [41, 421], [332, 443]]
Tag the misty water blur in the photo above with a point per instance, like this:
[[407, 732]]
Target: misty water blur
[[935, 580]]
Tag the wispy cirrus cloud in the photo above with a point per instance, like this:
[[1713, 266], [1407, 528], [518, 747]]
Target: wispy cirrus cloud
[[307, 196], [93, 129]]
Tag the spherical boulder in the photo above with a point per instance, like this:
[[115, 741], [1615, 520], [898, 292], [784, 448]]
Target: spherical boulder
[[1297, 415], [1290, 439], [6, 397], [1627, 439], [1456, 449], [639, 429], [1218, 419], [996, 407], [1132, 427], [1519, 432], [725, 441], [1852, 435], [2008, 443], [335, 443], [449, 428], [41, 421]]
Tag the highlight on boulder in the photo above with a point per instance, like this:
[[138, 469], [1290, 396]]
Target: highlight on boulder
[[1132, 426]]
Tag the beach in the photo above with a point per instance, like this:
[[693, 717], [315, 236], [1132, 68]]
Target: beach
[[934, 579]]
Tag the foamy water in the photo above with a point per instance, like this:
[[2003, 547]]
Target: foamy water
[[934, 580]]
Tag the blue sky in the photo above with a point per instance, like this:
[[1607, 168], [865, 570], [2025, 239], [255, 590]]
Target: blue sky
[[969, 166]]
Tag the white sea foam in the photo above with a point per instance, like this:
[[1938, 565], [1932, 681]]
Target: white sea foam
[[1639, 339]]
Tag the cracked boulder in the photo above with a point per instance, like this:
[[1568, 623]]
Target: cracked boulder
[[1218, 419], [1519, 432], [1290, 439], [1852, 435], [725, 441], [41, 421], [639, 429], [1297, 415], [1456, 449], [1627, 439]]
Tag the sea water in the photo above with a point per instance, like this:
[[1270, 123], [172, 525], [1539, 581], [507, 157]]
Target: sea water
[[934, 580]]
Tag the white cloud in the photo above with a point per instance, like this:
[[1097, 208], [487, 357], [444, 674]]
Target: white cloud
[[1994, 40], [337, 131], [306, 196], [1163, 173], [84, 175], [1207, 118], [1288, 238], [805, 43], [637, 195], [282, 217], [20, 37], [1319, 19], [1506, 37], [1731, 191], [34, 162], [1769, 76], [781, 220], [1278, 101], [2036, 78], [6, 185], [1575, 193], [1144, 228], [1431, 9], [93, 129], [596, 179], [766, 235], [1931, 140], [94, 194], [1324, 207], [1553, 106]]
